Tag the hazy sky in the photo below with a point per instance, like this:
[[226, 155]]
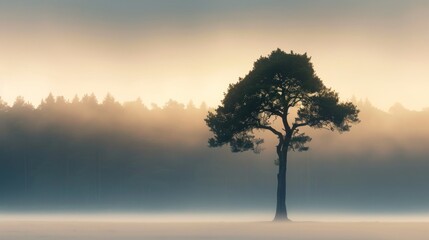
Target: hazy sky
[[191, 50]]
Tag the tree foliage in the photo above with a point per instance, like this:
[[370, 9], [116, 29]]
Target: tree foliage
[[280, 86]]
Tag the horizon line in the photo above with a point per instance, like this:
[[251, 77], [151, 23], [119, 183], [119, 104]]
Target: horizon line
[[191, 103]]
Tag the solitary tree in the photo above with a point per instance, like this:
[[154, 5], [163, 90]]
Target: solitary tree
[[281, 86]]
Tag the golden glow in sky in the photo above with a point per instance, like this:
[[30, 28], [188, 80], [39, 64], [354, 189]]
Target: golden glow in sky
[[377, 54]]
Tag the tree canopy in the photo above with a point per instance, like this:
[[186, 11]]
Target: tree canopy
[[278, 85]]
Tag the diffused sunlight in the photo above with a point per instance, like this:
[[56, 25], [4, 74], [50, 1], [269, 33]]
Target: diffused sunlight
[[195, 59], [108, 120]]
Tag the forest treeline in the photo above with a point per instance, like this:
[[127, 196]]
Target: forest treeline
[[86, 119], [90, 154], [76, 149]]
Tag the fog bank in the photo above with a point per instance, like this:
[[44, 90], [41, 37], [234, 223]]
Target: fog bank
[[82, 155]]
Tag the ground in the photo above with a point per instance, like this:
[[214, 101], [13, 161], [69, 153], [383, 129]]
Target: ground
[[85, 230]]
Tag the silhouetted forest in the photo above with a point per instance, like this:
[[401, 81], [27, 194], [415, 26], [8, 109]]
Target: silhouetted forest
[[83, 154], [75, 150]]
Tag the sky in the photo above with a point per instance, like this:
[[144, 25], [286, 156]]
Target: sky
[[191, 50]]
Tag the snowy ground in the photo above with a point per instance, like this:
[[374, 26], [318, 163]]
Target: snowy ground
[[83, 230]]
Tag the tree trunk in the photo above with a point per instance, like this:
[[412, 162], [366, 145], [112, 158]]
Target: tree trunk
[[281, 212]]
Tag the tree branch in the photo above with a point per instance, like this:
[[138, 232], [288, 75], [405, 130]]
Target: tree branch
[[273, 130], [272, 111], [297, 125], [286, 109], [285, 121]]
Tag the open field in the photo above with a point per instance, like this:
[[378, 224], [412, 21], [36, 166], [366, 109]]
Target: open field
[[83, 230]]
